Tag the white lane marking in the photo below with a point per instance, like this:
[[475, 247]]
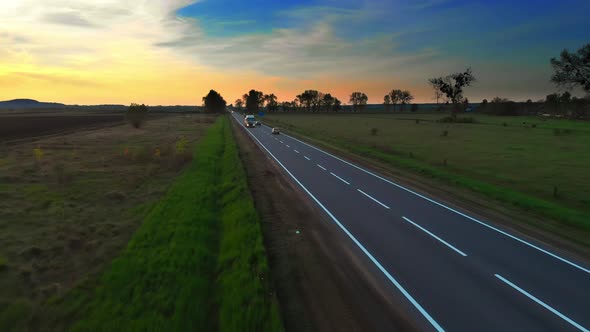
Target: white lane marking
[[436, 237], [281, 142], [296, 151], [306, 157], [407, 295], [287, 146], [339, 178], [322, 167], [450, 209], [543, 304], [364, 193]]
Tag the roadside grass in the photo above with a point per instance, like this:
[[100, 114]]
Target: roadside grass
[[197, 263], [528, 167]]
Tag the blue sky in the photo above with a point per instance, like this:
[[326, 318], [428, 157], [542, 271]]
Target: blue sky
[[506, 42]]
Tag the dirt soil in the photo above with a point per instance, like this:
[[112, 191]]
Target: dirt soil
[[21, 126], [323, 282]]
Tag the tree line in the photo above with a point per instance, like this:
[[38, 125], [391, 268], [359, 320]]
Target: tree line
[[571, 70]]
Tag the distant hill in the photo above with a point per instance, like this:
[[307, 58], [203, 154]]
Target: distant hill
[[28, 104]]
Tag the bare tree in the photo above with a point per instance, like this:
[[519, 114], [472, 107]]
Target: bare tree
[[437, 95], [452, 87]]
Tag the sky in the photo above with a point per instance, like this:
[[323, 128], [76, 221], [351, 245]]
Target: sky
[[172, 52]]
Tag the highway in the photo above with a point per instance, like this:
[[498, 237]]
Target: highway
[[452, 271]]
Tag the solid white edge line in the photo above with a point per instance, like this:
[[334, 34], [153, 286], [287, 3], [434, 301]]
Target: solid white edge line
[[543, 304], [358, 244], [436, 237], [306, 157], [371, 197], [450, 209], [339, 178], [322, 167]]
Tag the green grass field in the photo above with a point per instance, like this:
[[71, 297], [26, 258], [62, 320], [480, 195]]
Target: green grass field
[[536, 164], [196, 264]]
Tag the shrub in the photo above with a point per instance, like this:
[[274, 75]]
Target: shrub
[[38, 153], [444, 133], [136, 114], [374, 131], [558, 132]]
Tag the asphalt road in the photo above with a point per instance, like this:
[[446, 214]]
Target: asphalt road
[[449, 270]]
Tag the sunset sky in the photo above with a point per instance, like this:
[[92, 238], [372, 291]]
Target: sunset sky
[[172, 52]]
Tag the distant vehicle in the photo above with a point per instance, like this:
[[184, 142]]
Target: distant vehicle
[[249, 121], [275, 131], [258, 123]]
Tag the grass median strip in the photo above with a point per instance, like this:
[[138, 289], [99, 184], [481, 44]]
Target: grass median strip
[[197, 263]]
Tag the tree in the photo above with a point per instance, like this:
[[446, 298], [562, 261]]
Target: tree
[[214, 102], [484, 103], [271, 102], [437, 95], [395, 97], [136, 114], [328, 102], [572, 69], [552, 101], [452, 87], [308, 99], [239, 103], [337, 105], [254, 100], [317, 101], [405, 97], [387, 102], [358, 101], [295, 104]]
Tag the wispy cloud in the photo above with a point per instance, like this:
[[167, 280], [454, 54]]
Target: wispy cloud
[[68, 18], [58, 79]]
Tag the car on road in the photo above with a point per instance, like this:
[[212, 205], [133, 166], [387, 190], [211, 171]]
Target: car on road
[[249, 121], [275, 131]]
